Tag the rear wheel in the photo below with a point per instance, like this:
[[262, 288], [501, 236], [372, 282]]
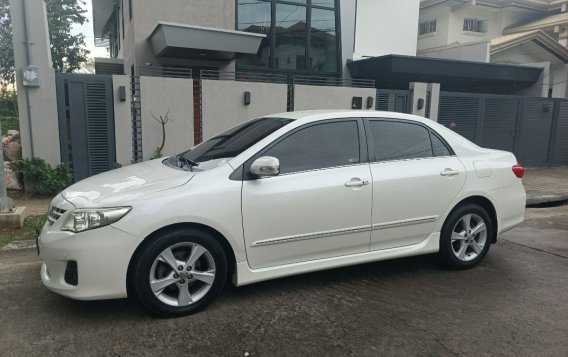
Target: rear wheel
[[466, 236], [180, 272]]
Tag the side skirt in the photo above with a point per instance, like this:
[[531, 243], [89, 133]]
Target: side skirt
[[245, 275]]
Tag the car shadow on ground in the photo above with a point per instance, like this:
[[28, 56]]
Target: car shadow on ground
[[357, 274]]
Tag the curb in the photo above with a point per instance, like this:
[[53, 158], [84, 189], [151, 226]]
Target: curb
[[20, 273], [546, 199]]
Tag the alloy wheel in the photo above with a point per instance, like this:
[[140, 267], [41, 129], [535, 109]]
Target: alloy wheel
[[182, 274], [469, 237]]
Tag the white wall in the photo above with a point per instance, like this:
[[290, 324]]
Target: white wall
[[386, 27], [158, 96], [440, 37], [223, 103], [474, 51], [449, 27], [321, 97]]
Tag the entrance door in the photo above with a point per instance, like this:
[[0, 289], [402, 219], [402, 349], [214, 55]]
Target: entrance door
[[86, 123]]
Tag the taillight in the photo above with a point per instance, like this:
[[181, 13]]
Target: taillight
[[518, 170]]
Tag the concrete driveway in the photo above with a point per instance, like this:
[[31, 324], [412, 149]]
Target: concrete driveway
[[514, 303]]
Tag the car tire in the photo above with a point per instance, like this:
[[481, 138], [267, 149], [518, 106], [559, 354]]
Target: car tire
[[463, 247], [191, 288]]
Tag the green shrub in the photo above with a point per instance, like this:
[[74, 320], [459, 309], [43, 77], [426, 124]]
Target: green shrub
[[9, 123], [40, 178]]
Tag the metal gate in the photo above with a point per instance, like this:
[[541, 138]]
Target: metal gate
[[86, 123], [535, 129], [393, 100]]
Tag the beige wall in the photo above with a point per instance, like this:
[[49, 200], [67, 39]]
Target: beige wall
[[157, 96], [122, 121], [321, 97], [42, 99], [223, 103]]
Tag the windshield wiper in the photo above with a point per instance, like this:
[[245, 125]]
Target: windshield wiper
[[184, 161]]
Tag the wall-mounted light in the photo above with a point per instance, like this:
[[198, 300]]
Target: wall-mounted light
[[247, 98], [420, 104], [122, 93]]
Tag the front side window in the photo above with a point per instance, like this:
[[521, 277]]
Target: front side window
[[394, 140], [318, 146]]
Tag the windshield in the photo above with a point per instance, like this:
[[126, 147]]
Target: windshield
[[236, 140]]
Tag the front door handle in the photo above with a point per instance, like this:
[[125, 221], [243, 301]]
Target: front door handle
[[449, 172], [356, 182]]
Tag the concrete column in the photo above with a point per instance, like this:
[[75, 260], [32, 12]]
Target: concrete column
[[418, 94], [39, 125], [122, 120], [434, 90]]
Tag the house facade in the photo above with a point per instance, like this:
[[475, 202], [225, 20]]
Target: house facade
[[308, 37], [526, 33]]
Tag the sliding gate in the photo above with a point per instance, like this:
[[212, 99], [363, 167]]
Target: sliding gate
[[535, 129]]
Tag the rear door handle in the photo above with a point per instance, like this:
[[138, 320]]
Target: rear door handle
[[356, 182], [449, 172]]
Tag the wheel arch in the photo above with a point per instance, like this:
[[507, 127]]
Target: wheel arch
[[227, 248], [486, 204]]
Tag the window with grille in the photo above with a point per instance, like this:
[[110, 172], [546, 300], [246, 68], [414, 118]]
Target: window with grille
[[427, 27], [474, 25]]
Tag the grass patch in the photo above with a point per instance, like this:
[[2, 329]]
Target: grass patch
[[27, 232], [10, 123]]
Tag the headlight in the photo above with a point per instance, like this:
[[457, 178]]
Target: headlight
[[85, 219]]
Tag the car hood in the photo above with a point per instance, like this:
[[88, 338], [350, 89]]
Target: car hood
[[125, 184]]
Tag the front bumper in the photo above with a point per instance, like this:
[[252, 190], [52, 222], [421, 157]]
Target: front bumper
[[102, 256]]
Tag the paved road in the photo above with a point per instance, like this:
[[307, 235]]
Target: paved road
[[512, 304]]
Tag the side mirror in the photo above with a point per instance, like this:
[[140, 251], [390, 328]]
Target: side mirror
[[265, 166]]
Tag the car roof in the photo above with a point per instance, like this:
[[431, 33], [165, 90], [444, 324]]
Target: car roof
[[307, 116]]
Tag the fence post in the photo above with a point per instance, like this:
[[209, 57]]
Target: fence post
[[553, 130]]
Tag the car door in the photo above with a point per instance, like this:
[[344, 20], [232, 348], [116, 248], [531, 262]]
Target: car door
[[415, 178], [319, 206]]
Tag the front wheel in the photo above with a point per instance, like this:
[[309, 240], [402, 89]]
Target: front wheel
[[466, 236], [180, 272]]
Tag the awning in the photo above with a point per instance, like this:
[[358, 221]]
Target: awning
[[395, 72], [540, 38], [198, 42]]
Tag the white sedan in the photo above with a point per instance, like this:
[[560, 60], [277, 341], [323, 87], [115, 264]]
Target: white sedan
[[281, 195]]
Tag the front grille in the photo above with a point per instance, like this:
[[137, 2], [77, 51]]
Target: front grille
[[54, 214]]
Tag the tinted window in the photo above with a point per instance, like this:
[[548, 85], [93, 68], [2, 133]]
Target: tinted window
[[236, 140], [317, 147], [438, 146], [399, 141]]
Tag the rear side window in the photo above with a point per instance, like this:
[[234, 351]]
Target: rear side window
[[438, 146], [318, 146], [400, 141]]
